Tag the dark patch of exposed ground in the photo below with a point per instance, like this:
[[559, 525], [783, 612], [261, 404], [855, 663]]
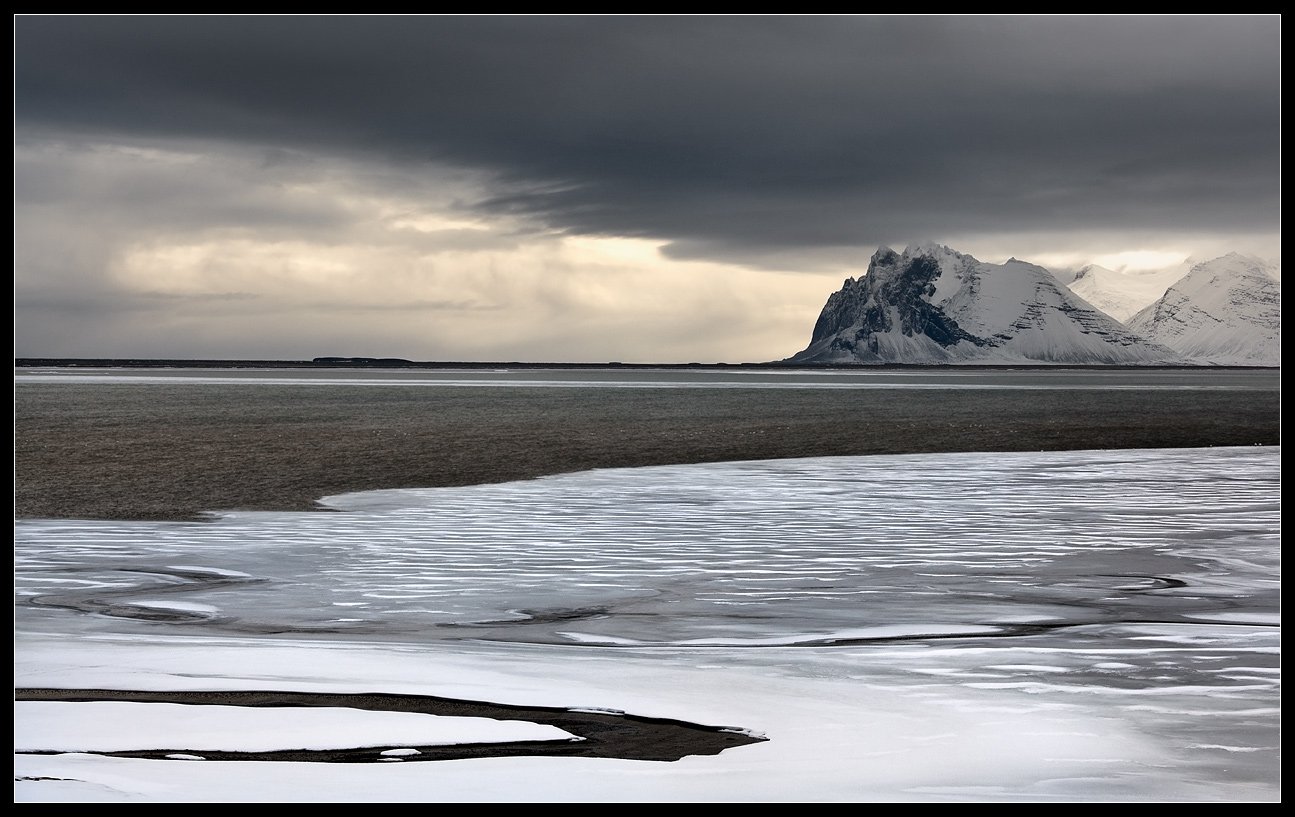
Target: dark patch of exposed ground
[[598, 733], [175, 451]]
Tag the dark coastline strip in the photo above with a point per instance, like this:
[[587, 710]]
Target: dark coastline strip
[[177, 451], [401, 363], [600, 733]]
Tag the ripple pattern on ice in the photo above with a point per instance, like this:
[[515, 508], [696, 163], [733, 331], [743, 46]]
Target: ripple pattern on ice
[[771, 552]]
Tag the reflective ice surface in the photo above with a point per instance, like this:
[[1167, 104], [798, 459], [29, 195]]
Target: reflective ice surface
[[867, 377], [812, 551], [1136, 586]]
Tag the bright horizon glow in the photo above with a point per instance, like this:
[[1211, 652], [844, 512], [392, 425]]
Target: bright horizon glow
[[408, 274], [1141, 260], [632, 187]]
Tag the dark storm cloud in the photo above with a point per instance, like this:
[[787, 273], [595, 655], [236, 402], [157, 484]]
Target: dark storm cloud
[[729, 136]]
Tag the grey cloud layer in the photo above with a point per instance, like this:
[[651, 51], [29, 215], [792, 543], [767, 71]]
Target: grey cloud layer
[[726, 135]]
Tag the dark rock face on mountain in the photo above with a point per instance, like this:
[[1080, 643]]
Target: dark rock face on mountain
[[932, 305]]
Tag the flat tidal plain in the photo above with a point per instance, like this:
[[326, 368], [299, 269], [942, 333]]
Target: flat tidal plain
[[174, 448]]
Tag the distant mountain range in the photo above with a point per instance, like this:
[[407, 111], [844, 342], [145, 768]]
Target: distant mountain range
[[933, 305], [1121, 294], [1226, 312]]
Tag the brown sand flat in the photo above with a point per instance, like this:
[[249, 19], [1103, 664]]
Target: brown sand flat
[[176, 450]]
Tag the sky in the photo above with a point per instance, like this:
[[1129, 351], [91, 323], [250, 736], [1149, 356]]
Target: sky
[[589, 189]]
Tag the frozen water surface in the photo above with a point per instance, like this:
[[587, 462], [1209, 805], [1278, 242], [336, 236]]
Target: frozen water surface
[[45, 725], [1107, 379], [1051, 626]]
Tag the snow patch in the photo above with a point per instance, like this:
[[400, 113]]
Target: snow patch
[[101, 726]]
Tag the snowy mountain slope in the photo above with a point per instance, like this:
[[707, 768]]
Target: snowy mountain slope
[[1122, 294], [1225, 312], [933, 305]]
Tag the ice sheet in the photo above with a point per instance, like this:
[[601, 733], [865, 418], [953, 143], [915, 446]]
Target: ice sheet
[[1062, 626]]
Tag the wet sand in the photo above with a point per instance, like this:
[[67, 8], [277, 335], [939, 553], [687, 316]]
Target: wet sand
[[175, 450]]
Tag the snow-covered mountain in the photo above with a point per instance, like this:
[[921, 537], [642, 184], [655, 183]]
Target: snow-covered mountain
[[933, 305], [1226, 312], [1121, 294]]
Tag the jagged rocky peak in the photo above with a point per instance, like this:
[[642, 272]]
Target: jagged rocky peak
[[933, 304], [948, 259]]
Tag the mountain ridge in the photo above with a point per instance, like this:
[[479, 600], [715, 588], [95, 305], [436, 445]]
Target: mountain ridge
[[934, 305], [1121, 294], [1226, 311]]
